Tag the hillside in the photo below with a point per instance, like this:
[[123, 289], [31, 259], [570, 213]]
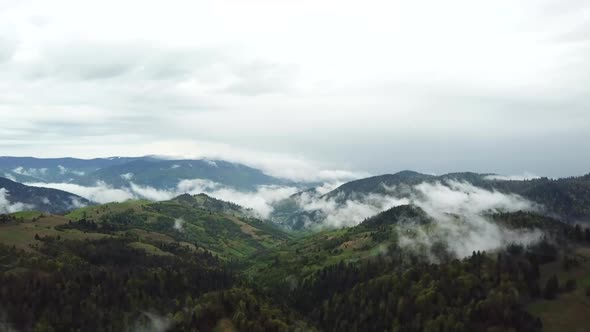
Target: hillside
[[365, 276], [222, 228], [197, 262], [18, 197]]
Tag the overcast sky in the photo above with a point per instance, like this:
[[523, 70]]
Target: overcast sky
[[298, 86]]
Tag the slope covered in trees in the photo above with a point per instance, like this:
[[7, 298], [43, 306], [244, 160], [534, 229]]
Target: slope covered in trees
[[125, 267]]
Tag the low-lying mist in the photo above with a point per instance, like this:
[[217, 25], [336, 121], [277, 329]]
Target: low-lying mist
[[459, 209], [6, 206]]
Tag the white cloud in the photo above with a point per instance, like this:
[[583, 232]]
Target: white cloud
[[9, 176], [179, 225], [151, 193], [127, 176], [260, 200], [520, 177], [6, 206], [459, 209], [100, 193], [32, 172], [103, 87], [211, 162]]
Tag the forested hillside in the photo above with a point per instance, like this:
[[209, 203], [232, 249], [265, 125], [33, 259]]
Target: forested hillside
[[126, 267]]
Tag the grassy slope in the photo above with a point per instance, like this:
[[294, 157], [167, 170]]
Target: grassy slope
[[22, 234], [227, 233]]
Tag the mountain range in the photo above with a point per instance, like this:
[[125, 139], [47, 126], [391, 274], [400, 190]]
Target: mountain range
[[118, 172], [566, 198], [456, 252]]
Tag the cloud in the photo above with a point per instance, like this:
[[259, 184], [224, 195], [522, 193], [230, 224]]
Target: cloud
[[100, 193], [336, 214], [521, 177], [459, 209], [210, 162], [32, 172], [9, 176], [342, 104], [126, 176], [151, 322], [6, 206], [179, 224], [274, 164], [260, 200], [151, 193]]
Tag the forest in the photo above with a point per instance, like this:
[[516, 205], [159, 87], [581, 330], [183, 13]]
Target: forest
[[111, 268]]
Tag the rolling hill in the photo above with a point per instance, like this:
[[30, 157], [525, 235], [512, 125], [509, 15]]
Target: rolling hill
[[222, 228]]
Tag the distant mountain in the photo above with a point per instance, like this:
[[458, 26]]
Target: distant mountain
[[70, 170], [166, 174], [18, 197], [119, 172], [400, 183], [567, 198]]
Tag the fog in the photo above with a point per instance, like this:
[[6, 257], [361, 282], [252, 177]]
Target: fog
[[6, 206], [260, 199], [460, 212]]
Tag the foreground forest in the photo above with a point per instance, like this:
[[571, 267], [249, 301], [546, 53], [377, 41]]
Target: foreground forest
[[199, 264]]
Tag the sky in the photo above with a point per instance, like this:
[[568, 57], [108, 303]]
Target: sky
[[336, 88]]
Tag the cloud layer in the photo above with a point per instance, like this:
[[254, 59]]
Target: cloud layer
[[260, 200], [433, 96]]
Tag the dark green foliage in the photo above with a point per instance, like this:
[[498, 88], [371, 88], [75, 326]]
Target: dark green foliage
[[551, 288], [470, 295], [356, 279], [243, 310], [570, 285], [102, 284]]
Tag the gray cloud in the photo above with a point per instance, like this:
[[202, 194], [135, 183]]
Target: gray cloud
[[478, 98]]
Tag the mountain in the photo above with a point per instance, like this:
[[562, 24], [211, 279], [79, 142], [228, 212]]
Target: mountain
[[119, 172], [166, 174], [70, 170], [566, 198], [18, 197]]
